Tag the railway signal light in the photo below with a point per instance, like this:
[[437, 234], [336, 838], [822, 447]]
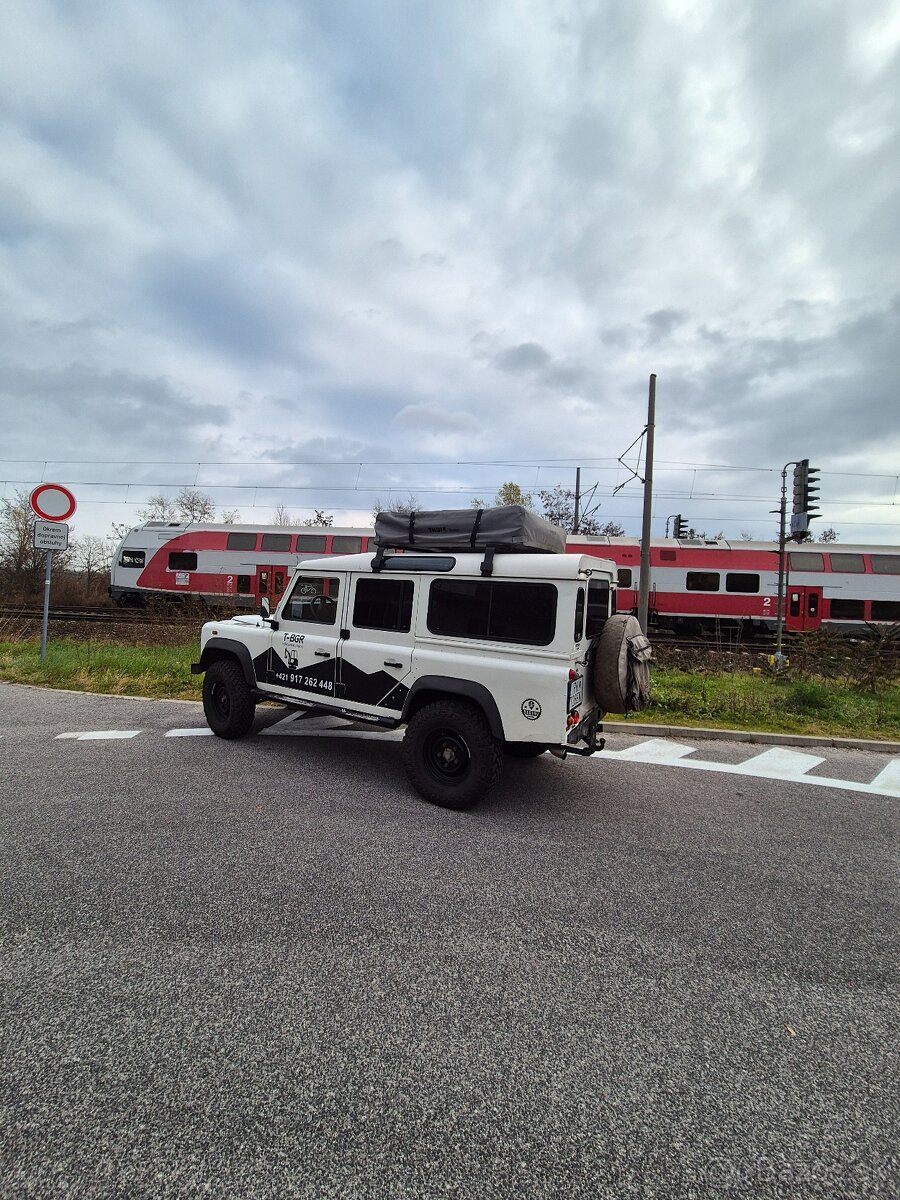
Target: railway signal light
[[806, 495], [681, 527]]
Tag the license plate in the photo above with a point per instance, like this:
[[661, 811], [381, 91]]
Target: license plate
[[576, 693]]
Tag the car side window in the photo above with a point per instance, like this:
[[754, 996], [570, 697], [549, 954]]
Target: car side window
[[314, 598]]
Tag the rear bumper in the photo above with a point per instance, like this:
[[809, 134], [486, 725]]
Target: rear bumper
[[585, 738]]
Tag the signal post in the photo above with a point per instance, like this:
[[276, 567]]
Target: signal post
[[805, 497]]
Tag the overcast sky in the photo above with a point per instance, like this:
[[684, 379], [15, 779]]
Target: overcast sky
[[415, 235]]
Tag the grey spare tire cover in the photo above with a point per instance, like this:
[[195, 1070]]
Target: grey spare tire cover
[[622, 666]]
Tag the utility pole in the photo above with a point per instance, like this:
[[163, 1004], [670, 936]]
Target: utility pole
[[644, 593], [576, 519], [779, 657]]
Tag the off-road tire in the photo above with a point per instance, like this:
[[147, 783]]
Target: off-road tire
[[524, 749], [621, 684], [450, 756], [227, 700]]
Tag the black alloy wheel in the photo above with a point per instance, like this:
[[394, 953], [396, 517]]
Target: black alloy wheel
[[227, 700], [451, 757]]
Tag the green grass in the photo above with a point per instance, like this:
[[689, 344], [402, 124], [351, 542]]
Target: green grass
[[743, 700], [729, 700], [157, 671]]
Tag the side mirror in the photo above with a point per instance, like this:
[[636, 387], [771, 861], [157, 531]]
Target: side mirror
[[264, 609]]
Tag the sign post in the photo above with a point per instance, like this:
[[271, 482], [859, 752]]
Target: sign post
[[53, 505]]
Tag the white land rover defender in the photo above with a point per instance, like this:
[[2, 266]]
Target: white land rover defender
[[478, 652]]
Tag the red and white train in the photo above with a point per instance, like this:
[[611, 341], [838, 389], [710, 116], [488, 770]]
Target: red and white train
[[694, 584]]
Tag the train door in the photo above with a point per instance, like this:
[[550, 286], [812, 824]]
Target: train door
[[804, 608], [270, 583]]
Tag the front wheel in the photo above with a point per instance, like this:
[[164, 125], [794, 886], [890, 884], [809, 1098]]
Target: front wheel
[[227, 700], [451, 757]]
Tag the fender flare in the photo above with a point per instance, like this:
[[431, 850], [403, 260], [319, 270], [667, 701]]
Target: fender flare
[[226, 648], [466, 688]]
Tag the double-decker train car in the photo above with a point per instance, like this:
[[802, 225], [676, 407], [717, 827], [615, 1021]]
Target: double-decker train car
[[234, 565], [694, 585]]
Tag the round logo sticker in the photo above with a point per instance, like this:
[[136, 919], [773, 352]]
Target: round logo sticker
[[531, 710]]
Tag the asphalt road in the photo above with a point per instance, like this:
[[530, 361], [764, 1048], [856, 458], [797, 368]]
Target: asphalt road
[[267, 969]]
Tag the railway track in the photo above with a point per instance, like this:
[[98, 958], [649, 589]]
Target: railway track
[[95, 614]]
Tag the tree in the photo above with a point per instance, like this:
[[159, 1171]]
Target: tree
[[829, 534], [230, 515], [511, 493], [158, 508], [409, 505], [281, 515], [195, 506], [559, 507], [92, 558], [189, 506], [319, 520]]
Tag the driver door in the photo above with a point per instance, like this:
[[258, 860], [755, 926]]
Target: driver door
[[303, 650]]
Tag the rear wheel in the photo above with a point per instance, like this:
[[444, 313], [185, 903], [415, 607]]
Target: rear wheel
[[450, 755], [227, 700]]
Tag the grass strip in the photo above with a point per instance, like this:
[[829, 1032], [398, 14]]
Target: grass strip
[[727, 700]]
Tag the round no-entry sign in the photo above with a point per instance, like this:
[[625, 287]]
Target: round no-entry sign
[[52, 502]]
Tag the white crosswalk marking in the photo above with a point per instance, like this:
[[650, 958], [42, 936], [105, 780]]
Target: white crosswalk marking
[[99, 735], [888, 780], [195, 731], [779, 763], [655, 750]]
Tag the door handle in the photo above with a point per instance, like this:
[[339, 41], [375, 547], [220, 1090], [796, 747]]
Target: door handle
[[323, 654], [388, 662]]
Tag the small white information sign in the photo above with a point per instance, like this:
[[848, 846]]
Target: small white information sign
[[51, 535]]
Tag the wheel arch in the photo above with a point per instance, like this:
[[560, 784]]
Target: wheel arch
[[439, 687], [222, 648]]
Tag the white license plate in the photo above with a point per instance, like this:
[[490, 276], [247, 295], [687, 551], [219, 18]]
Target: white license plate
[[576, 693]]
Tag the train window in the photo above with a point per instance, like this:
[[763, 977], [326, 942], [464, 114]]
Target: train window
[[886, 564], [383, 604], [597, 606], [579, 615], [846, 610], [804, 561], [276, 541], [311, 543], [736, 581], [346, 545], [243, 583], [241, 541], [182, 560], [702, 581], [850, 564], [314, 598], [131, 558], [623, 577], [886, 610], [493, 611]]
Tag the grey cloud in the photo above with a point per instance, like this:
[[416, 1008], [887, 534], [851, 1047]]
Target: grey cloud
[[435, 418], [528, 356], [69, 408], [663, 322]]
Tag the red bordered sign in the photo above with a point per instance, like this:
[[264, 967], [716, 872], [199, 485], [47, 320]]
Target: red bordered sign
[[52, 502]]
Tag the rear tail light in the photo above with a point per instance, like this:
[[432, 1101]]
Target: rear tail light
[[573, 718]]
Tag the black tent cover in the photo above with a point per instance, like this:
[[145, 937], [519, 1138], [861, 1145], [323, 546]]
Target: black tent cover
[[510, 528]]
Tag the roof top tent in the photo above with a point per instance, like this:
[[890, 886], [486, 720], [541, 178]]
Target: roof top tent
[[509, 529]]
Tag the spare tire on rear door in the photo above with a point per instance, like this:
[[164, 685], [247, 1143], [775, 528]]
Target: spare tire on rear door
[[622, 666]]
